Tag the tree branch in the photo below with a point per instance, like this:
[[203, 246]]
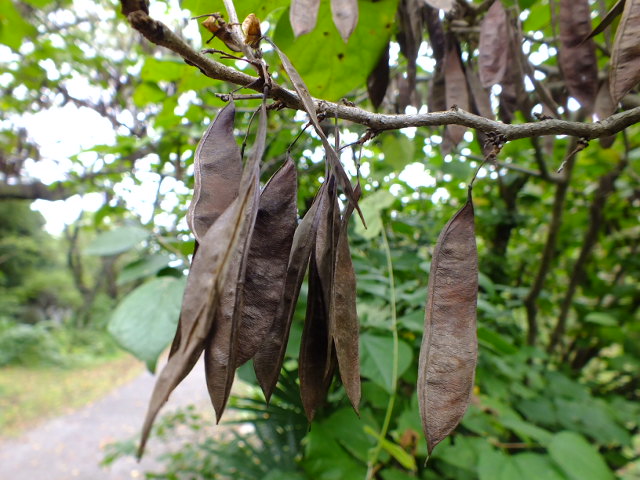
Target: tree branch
[[36, 190], [158, 33]]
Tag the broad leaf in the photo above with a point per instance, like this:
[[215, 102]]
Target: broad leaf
[[376, 354], [577, 458], [145, 320], [116, 241]]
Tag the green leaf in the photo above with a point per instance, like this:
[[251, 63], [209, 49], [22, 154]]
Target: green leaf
[[116, 241], [526, 429], [535, 465], [601, 318], [146, 93], [142, 268], [495, 341], [396, 451], [377, 359], [371, 206], [145, 320], [329, 67], [13, 28], [156, 70], [577, 458], [398, 151]]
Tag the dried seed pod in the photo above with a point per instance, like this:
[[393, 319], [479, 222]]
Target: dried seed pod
[[314, 356], [624, 73], [267, 262], [494, 36], [448, 353], [576, 56], [251, 30], [268, 359], [455, 92], [303, 16], [604, 107], [343, 316], [217, 170], [220, 348], [378, 80], [345, 16]]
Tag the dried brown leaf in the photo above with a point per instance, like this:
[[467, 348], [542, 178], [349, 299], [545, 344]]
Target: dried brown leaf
[[624, 73], [268, 257], [378, 80], [268, 359], [303, 15], [577, 57], [345, 16], [217, 171], [448, 352], [494, 36]]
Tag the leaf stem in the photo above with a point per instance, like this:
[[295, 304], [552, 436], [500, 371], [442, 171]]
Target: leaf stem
[[394, 369]]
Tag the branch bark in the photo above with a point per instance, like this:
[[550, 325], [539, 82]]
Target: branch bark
[[158, 33]]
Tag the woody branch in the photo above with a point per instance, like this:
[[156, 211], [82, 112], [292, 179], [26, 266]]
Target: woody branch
[[158, 33]]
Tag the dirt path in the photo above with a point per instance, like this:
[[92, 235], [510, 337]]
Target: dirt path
[[71, 446]]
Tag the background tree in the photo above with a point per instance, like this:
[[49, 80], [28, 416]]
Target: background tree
[[557, 379]]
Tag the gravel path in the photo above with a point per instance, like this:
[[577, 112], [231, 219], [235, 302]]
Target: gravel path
[[71, 446]]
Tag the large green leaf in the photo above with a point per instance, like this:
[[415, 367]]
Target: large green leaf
[[116, 241], [577, 458], [142, 268], [331, 68], [377, 359], [145, 321]]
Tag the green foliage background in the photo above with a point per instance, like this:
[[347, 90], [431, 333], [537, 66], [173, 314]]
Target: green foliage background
[[566, 413]]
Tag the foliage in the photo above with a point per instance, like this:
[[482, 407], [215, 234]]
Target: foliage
[[557, 381]]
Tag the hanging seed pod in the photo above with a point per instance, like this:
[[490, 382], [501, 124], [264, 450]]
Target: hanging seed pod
[[220, 347], [456, 93], [303, 16], [343, 316], [217, 169], [345, 16], [268, 257], [267, 361], [624, 73], [577, 56], [494, 35], [448, 353], [315, 355]]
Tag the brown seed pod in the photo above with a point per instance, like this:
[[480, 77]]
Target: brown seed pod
[[448, 353], [268, 257], [269, 357], [576, 56], [624, 73]]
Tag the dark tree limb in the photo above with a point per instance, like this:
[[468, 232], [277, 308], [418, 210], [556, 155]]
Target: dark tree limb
[[548, 254], [158, 33], [35, 191], [606, 186]]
